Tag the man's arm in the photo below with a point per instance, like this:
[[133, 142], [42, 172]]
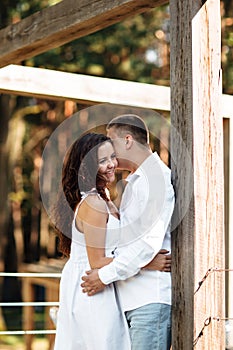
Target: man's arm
[[147, 220], [92, 283]]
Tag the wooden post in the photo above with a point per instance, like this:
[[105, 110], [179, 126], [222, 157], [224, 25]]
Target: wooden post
[[230, 222], [198, 241]]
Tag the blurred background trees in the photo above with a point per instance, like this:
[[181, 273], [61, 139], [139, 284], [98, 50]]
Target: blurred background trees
[[136, 49]]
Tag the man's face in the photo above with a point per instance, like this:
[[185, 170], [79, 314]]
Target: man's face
[[119, 146]]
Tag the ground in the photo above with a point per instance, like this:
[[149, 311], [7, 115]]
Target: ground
[[15, 343]]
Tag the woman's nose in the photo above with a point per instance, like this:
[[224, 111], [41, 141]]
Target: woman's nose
[[110, 163]]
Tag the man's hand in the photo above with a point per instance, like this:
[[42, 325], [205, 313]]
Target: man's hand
[[161, 262], [92, 283]]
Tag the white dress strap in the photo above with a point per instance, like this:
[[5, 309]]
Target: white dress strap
[[92, 191], [84, 195]]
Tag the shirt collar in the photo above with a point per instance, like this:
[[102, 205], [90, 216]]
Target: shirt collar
[[145, 164]]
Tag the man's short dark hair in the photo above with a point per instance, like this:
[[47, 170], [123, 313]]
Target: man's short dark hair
[[132, 124]]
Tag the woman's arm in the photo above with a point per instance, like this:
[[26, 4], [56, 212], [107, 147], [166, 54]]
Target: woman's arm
[[93, 216], [161, 262]]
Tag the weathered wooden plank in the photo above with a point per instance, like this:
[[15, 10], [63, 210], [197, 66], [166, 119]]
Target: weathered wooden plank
[[227, 144], [227, 106], [64, 22], [57, 85], [208, 167], [46, 83], [197, 242], [229, 237]]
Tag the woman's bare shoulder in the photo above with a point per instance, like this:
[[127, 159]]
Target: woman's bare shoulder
[[93, 203]]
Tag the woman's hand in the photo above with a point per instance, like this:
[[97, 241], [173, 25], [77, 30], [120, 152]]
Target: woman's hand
[[161, 262]]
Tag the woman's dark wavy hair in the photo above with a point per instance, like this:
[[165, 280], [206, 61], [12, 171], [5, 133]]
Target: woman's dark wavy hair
[[79, 174]]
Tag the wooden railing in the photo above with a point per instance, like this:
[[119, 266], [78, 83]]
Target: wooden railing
[[44, 274]]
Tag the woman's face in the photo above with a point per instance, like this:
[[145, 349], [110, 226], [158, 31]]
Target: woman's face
[[107, 161]]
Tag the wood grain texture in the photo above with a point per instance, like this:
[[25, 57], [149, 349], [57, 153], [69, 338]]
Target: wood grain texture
[[229, 247], [48, 83], [57, 85], [64, 22], [198, 242]]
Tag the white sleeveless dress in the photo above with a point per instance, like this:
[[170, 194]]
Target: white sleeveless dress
[[89, 322]]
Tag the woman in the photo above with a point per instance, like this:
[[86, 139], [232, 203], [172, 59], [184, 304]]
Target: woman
[[88, 322]]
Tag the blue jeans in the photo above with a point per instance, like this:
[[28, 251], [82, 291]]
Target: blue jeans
[[150, 327]]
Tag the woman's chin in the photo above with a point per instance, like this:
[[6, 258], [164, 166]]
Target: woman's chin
[[110, 179]]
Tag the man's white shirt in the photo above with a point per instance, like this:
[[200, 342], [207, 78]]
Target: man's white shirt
[[145, 214]]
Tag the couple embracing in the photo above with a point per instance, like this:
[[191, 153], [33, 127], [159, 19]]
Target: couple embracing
[[115, 289]]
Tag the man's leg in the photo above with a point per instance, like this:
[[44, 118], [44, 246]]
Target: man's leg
[[150, 327]]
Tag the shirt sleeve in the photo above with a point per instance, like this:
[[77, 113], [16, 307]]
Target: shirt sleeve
[[132, 257]]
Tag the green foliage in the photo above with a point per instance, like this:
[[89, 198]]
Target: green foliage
[[12, 11], [136, 49], [119, 51], [23, 8]]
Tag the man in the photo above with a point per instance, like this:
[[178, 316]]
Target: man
[[145, 211]]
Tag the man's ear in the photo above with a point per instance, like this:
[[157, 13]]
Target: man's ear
[[128, 141]]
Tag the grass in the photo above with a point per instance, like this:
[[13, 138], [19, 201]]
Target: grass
[[17, 343]]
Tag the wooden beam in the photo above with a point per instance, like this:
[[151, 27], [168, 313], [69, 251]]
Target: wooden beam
[[66, 21], [57, 85], [46, 83], [198, 241]]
